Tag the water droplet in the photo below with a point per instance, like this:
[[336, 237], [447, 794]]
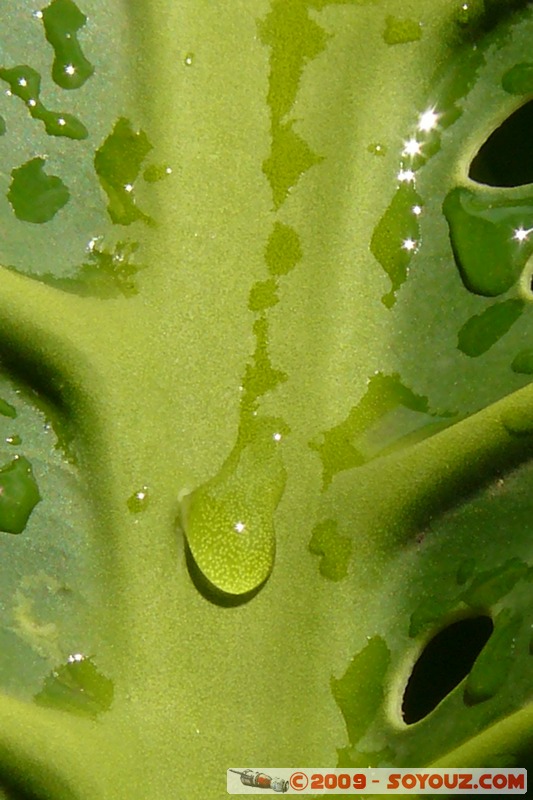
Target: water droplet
[[412, 147], [77, 687], [118, 163], [488, 238], [464, 14], [19, 494], [228, 521], [74, 657], [406, 176], [377, 149], [13, 440], [188, 60], [139, 500], [35, 196], [491, 669], [410, 245], [62, 20], [156, 172], [428, 120], [401, 31]]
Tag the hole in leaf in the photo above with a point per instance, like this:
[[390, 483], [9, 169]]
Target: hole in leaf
[[444, 662], [506, 158]]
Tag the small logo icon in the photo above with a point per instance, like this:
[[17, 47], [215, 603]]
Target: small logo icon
[[299, 781], [262, 781]]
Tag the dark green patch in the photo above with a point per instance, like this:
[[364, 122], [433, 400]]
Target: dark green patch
[[283, 250], [490, 586], [156, 172], [294, 39], [465, 571], [118, 163], [387, 416], [519, 79], [7, 410], [34, 195], [289, 159], [138, 501], [430, 612], [105, 274], [390, 243], [377, 149], [25, 82], [483, 330], [260, 376], [77, 687], [523, 362], [62, 20], [359, 693], [19, 494], [335, 550], [401, 31], [494, 663], [263, 295]]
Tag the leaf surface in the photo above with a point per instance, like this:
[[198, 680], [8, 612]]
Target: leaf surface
[[265, 347]]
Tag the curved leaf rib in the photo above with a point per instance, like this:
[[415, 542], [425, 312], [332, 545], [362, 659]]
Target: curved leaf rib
[[33, 317], [39, 310], [443, 469], [39, 752], [510, 738]]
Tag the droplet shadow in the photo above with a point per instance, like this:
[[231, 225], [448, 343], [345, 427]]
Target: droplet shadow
[[209, 591]]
